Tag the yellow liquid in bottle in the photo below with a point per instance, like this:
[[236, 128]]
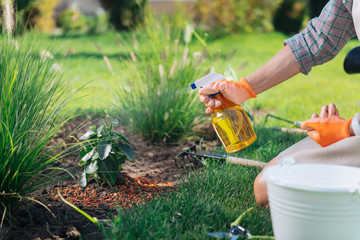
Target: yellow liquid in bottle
[[233, 128]]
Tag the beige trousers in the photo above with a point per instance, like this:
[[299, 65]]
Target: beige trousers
[[344, 152]]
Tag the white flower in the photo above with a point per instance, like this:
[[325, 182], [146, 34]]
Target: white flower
[[56, 67], [188, 33], [45, 54]]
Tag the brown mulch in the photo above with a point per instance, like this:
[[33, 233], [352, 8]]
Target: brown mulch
[[153, 172], [123, 195]]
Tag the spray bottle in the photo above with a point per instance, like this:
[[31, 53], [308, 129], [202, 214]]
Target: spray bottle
[[230, 121]]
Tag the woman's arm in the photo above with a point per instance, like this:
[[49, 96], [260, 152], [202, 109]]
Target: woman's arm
[[278, 69]]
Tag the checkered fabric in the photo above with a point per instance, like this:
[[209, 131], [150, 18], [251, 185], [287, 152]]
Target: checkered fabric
[[324, 36]]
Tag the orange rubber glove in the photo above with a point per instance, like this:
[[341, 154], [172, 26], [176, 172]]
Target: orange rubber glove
[[326, 131], [235, 92]]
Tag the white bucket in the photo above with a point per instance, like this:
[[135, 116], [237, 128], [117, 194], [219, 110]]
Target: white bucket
[[314, 201]]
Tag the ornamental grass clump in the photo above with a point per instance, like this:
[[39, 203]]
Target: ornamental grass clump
[[31, 99], [153, 94]]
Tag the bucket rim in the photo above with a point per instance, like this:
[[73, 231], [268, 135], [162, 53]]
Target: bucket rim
[[340, 188]]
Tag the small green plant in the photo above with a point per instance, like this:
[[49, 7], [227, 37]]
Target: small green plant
[[104, 152]]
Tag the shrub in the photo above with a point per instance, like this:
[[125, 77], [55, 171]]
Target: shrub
[[31, 99], [72, 21], [125, 14], [290, 16], [24, 4], [226, 16], [39, 15], [98, 24]]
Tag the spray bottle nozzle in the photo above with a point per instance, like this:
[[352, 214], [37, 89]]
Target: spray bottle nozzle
[[208, 79]]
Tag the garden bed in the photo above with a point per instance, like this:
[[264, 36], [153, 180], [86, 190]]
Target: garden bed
[[153, 172]]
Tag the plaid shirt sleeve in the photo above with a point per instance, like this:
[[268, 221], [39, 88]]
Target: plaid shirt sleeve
[[324, 36]]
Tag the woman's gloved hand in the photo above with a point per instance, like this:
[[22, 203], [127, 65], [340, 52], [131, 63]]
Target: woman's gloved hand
[[328, 128], [236, 92]]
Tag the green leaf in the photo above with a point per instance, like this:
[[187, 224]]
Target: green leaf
[[109, 169], [127, 150], [87, 157], [96, 156], [83, 179], [85, 149], [99, 130], [87, 135], [115, 122], [120, 135], [92, 167], [114, 137], [104, 148], [120, 158]]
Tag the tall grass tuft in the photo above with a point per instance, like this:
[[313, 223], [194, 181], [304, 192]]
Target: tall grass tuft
[[31, 98], [153, 95]]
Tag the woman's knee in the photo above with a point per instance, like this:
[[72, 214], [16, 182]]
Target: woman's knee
[[260, 189]]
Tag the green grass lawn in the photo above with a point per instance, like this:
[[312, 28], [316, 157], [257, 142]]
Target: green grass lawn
[[209, 202], [295, 99], [85, 66]]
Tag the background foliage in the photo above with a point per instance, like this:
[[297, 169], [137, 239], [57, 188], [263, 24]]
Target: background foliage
[[125, 14], [289, 17], [315, 7], [217, 16], [72, 21], [38, 14], [226, 16], [24, 4]]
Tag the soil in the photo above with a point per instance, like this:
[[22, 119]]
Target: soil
[[155, 170]]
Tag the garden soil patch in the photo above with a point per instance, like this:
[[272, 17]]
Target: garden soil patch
[[153, 172]]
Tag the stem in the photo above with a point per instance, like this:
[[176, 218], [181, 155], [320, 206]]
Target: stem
[[241, 217]]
